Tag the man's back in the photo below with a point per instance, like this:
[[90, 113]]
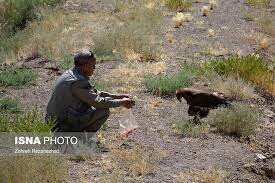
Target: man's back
[[62, 98]]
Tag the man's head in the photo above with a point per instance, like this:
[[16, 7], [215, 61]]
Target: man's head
[[86, 61]]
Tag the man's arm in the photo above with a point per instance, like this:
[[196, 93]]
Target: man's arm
[[114, 96], [81, 89]]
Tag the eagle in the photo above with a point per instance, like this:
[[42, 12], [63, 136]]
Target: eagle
[[201, 102]]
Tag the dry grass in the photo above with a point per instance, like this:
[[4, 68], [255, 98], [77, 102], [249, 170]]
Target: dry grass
[[233, 87], [202, 176], [134, 35], [56, 35], [266, 22], [125, 164], [180, 18], [215, 49], [33, 169], [133, 75]]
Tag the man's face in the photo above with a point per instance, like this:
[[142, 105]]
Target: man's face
[[88, 68]]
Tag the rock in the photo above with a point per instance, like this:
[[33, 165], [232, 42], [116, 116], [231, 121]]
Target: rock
[[260, 157]]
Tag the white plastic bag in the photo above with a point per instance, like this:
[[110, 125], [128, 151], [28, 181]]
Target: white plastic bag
[[127, 123]]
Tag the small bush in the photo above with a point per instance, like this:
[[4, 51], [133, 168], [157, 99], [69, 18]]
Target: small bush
[[238, 120], [167, 85], [27, 122], [33, 169], [189, 129], [16, 77], [178, 5], [250, 68], [258, 3], [9, 105]]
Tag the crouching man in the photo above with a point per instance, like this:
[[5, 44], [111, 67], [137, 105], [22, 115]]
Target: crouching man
[[78, 106]]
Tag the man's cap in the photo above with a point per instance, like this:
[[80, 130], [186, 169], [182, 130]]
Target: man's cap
[[82, 57]]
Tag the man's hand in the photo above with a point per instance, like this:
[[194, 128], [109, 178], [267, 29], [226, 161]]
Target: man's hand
[[121, 96], [128, 103]]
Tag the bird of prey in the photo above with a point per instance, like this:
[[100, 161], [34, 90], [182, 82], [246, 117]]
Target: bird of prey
[[200, 102]]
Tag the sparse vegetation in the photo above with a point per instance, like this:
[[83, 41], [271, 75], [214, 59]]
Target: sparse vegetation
[[178, 5], [232, 87], [134, 35], [189, 129], [238, 120], [33, 169], [205, 176], [9, 105], [135, 162], [167, 85], [28, 122], [265, 21], [258, 3], [16, 77]]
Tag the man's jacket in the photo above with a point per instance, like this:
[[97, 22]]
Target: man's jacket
[[74, 97]]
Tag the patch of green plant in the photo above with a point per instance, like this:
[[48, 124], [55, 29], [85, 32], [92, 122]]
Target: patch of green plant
[[33, 169], [189, 129], [250, 68], [178, 5], [9, 105], [238, 120], [16, 14], [167, 85], [31, 121], [258, 3], [16, 77]]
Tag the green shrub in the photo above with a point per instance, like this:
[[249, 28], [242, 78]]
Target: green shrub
[[16, 77], [27, 122], [33, 169], [250, 68], [167, 85], [238, 120], [178, 5], [10, 105], [189, 129]]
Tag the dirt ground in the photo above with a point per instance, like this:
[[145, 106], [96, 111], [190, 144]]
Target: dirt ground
[[175, 154]]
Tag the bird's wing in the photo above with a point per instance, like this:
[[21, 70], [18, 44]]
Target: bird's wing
[[207, 100]]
